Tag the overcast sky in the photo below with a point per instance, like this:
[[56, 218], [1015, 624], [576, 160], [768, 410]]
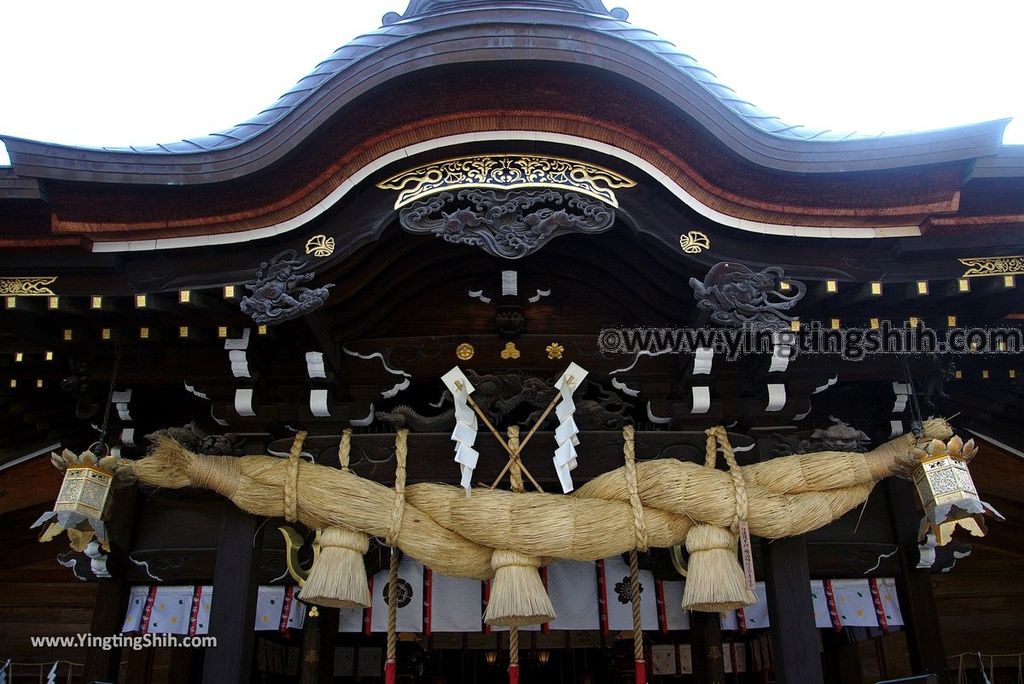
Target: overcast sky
[[120, 72]]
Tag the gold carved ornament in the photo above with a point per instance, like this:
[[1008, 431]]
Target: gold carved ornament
[[554, 350], [320, 246], [978, 267], [504, 172], [35, 286], [510, 351], [694, 242]]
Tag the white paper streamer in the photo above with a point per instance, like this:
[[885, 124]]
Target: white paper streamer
[[703, 359], [566, 432], [464, 434]]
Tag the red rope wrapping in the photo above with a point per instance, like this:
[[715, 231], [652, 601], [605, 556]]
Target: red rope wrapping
[[876, 598], [833, 610], [193, 616], [147, 611]]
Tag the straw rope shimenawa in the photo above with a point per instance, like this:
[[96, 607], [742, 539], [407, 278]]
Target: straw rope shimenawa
[[471, 537]]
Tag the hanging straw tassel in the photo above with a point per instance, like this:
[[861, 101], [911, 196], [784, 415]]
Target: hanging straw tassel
[[715, 581], [401, 451], [518, 596], [338, 576], [640, 528]]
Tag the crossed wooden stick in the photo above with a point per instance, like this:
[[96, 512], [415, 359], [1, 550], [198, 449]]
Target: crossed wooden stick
[[514, 454]]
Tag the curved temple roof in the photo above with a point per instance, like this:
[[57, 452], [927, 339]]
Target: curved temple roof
[[760, 137]]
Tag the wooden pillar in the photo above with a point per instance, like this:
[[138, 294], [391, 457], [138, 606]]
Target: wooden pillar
[[787, 580], [309, 664], [328, 641], [841, 659], [708, 663], [112, 592], [138, 666], [233, 611], [914, 586], [794, 636]]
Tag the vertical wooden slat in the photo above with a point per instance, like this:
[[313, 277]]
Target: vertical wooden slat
[[233, 611]]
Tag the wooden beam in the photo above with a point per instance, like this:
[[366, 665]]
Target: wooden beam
[[233, 614], [914, 586]]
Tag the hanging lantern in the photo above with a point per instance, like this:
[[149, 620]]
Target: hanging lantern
[[947, 490], [84, 498]]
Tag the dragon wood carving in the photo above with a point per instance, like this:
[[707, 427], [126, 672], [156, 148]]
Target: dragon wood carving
[[277, 292], [737, 296], [511, 224]]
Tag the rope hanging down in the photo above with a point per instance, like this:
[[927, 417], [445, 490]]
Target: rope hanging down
[[640, 528], [401, 451]]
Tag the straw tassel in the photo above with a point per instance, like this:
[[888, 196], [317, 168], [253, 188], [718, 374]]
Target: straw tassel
[[337, 578], [715, 582], [518, 596]]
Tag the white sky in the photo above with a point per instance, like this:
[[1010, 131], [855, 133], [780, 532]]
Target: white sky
[[120, 72]]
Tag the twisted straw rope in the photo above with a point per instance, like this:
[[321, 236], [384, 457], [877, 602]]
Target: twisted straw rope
[[515, 473], [639, 524], [291, 484], [640, 529], [739, 486], [401, 451], [398, 510], [634, 600], [515, 479], [513, 647], [345, 450], [449, 533]]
